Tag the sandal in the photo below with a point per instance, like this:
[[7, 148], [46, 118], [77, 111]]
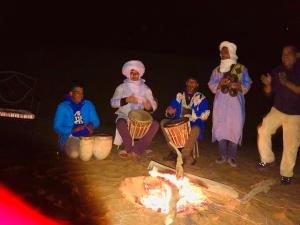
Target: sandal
[[123, 154]]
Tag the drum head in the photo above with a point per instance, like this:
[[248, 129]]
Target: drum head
[[86, 137], [176, 122], [102, 136], [139, 115]]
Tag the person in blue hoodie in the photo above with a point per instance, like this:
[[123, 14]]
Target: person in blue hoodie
[[191, 104], [74, 117]]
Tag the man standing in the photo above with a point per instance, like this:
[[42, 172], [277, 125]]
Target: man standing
[[191, 104], [74, 117], [133, 94], [284, 83], [229, 82]]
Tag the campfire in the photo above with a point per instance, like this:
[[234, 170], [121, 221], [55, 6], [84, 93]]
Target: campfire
[[163, 192]]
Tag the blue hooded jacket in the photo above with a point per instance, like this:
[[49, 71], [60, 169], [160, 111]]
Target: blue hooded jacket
[[64, 120]]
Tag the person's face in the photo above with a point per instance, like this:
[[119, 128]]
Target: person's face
[[191, 85], [289, 57], [134, 75], [76, 94], [225, 53]]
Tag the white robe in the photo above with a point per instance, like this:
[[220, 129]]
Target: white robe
[[131, 88]]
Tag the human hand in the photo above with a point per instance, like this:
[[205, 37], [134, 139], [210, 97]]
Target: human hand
[[147, 105], [132, 99], [90, 127], [236, 85], [170, 111], [222, 82], [266, 79], [282, 78], [79, 128]]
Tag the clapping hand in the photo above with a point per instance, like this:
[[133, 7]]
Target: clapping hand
[[266, 79], [282, 78]]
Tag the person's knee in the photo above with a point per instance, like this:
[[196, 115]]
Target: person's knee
[[155, 125], [195, 130], [121, 122], [261, 129]]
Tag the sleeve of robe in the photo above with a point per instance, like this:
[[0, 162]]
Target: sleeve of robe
[[115, 101], [246, 82], [214, 81]]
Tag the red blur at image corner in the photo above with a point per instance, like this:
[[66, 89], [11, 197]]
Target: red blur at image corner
[[14, 211]]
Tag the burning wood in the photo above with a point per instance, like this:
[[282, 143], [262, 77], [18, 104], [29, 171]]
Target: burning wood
[[161, 191]]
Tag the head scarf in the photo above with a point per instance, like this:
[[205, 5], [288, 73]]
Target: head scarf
[[227, 63], [135, 65]]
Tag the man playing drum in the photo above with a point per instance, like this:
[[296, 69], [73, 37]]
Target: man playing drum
[[229, 82], [193, 105], [131, 95], [74, 117]]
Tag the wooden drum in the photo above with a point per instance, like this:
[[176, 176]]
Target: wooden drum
[[102, 145], [178, 131], [139, 122], [86, 147]]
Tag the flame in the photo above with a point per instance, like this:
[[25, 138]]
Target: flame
[[158, 197]]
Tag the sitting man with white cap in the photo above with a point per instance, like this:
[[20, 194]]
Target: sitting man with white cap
[[133, 94], [229, 82]]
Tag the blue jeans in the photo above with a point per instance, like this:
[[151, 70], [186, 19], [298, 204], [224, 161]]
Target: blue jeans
[[227, 149]]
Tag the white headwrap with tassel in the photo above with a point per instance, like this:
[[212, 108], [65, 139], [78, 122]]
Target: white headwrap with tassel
[[226, 64], [133, 65]]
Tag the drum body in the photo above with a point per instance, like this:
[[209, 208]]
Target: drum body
[[178, 131], [102, 145], [71, 147], [139, 122], [86, 147]]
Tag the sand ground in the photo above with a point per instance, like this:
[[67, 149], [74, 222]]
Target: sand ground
[[88, 192]]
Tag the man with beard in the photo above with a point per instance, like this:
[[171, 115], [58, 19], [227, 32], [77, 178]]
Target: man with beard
[[191, 104], [284, 83], [133, 94], [229, 82]]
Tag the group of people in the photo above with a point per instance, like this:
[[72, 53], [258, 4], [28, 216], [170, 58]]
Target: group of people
[[229, 81]]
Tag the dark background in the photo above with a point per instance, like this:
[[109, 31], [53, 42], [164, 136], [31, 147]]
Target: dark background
[[57, 42], [186, 27]]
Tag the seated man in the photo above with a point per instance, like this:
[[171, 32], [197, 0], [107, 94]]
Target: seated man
[[133, 94], [74, 117], [191, 104]]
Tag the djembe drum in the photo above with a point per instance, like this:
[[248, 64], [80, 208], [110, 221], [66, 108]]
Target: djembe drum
[[139, 122], [178, 131], [102, 145], [98, 145], [86, 147]]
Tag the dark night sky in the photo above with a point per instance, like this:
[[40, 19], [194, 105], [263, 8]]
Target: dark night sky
[[169, 26]]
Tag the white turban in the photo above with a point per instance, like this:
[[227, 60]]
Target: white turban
[[135, 65], [231, 48]]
